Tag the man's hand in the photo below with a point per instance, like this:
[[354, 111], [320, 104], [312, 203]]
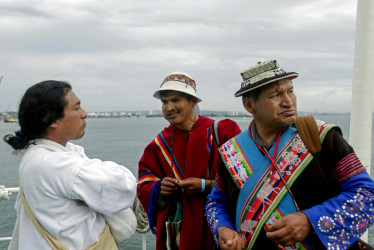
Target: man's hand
[[290, 229], [169, 186], [229, 239], [191, 186]]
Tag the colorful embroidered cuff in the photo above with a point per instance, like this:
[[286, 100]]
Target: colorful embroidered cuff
[[341, 220], [217, 212]]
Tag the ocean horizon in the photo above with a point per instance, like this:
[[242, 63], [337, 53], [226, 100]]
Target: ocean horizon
[[120, 140]]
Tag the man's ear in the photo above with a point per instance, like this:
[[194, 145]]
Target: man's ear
[[46, 121], [53, 125], [248, 105]]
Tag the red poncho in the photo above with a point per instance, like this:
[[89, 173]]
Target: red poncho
[[197, 157]]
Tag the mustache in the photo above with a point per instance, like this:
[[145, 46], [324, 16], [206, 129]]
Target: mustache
[[171, 112]]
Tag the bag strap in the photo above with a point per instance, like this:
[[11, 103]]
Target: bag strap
[[52, 241], [106, 238], [308, 131], [215, 132], [216, 138]]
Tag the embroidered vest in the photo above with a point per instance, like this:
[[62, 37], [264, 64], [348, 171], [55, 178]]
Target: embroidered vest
[[263, 195]]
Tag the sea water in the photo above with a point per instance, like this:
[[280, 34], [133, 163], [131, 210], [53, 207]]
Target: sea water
[[117, 139]]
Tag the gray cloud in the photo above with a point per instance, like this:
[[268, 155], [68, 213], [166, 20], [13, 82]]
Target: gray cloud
[[116, 53]]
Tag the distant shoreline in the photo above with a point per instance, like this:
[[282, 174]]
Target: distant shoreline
[[155, 114], [204, 113]]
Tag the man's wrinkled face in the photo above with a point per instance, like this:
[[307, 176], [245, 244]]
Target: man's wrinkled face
[[275, 107]]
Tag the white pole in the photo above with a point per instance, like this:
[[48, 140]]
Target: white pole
[[360, 133], [144, 242], [13, 190], [5, 238]]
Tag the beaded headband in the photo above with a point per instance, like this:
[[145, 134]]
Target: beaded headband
[[180, 78]]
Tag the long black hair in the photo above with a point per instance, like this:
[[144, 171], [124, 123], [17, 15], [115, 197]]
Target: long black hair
[[41, 105]]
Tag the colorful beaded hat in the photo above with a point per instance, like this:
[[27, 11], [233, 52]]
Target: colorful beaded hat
[[261, 74], [178, 81]]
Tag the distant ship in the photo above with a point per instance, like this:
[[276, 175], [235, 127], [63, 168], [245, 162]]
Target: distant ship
[[9, 119]]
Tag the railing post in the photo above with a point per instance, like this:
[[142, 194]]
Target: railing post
[[5, 193], [144, 242]]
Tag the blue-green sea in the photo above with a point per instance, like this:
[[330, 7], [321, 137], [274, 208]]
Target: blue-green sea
[[117, 139]]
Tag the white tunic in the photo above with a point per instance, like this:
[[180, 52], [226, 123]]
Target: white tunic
[[52, 178]]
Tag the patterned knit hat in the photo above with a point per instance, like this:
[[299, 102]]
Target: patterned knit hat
[[261, 74], [178, 81]]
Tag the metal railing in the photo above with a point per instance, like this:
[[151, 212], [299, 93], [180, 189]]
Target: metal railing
[[6, 193]]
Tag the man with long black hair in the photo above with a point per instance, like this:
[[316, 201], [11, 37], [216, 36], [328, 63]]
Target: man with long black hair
[[66, 199]]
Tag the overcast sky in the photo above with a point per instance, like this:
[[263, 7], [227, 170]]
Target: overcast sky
[[116, 53]]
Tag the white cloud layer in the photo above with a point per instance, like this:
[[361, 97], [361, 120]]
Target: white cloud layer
[[116, 53]]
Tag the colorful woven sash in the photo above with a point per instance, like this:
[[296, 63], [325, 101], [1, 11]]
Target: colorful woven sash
[[267, 191], [166, 151], [147, 176], [235, 160], [262, 189], [263, 196], [210, 138]]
